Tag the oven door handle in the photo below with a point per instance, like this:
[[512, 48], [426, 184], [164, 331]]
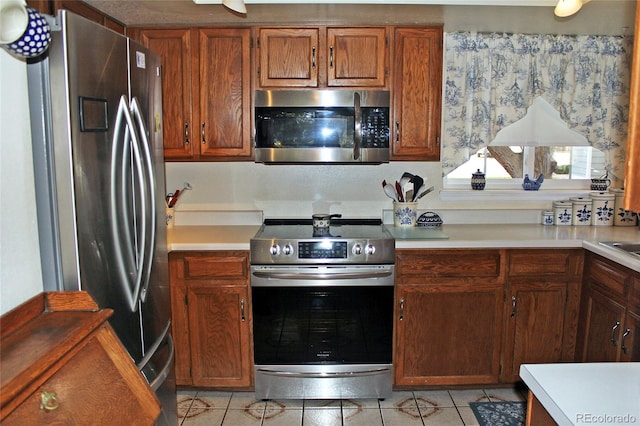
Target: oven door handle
[[322, 276], [332, 374]]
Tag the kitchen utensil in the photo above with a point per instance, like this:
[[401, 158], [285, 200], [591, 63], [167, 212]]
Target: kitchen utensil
[[323, 220], [388, 189], [423, 193], [417, 184], [399, 192]]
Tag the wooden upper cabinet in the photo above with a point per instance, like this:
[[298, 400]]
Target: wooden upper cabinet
[[357, 57], [78, 7], [225, 93], [416, 94], [632, 170], [288, 57], [323, 57], [206, 91], [174, 46]]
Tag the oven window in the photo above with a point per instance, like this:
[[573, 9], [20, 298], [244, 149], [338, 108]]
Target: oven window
[[332, 325], [304, 127]]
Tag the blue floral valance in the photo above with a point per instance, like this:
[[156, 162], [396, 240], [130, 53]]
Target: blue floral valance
[[491, 79]]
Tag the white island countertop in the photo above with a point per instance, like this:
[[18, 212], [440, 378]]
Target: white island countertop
[[587, 393]]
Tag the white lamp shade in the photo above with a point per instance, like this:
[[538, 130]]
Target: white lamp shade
[[541, 126], [235, 5], [566, 8]]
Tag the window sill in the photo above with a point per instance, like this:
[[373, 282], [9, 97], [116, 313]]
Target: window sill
[[510, 194]]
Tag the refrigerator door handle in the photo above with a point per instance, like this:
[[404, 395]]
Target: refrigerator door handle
[[149, 220], [123, 155], [164, 372]]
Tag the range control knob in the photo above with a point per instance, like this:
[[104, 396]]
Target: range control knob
[[274, 250], [287, 250], [369, 250], [357, 249]]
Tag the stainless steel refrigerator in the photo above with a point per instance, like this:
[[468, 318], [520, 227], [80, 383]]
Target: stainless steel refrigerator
[[96, 113]]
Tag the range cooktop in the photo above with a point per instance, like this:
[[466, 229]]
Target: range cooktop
[[295, 241]]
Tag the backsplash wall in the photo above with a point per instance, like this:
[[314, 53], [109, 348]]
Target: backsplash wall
[[302, 190]]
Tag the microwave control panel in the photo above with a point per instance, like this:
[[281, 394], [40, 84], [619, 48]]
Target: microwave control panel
[[375, 127]]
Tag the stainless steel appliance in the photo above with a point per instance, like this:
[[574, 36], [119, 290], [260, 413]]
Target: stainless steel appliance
[[96, 105], [322, 309], [322, 126]]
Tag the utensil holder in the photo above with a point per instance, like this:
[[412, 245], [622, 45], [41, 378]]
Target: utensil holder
[[405, 214]]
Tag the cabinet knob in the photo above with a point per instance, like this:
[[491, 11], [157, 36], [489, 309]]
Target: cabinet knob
[[49, 401]]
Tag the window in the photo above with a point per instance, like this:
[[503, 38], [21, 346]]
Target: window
[[491, 82]]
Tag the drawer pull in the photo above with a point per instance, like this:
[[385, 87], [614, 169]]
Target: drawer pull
[[624, 336], [49, 401], [613, 332]]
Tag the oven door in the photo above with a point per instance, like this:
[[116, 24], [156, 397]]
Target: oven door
[[322, 331]]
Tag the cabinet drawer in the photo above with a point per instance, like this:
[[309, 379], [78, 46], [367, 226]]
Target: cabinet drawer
[[223, 265], [545, 262], [448, 263], [609, 277], [91, 385]]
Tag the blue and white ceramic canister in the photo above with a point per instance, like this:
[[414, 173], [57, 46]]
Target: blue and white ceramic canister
[[405, 214], [23, 31], [581, 211], [622, 217], [562, 212], [603, 208], [547, 217]]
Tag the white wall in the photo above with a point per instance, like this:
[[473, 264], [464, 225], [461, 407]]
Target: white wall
[[20, 272]]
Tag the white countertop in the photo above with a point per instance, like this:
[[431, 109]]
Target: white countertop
[[229, 237], [587, 393]]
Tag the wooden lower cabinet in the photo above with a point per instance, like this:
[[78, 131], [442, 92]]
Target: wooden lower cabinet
[[448, 334], [541, 308], [610, 314], [448, 318], [63, 364], [211, 310], [471, 316]]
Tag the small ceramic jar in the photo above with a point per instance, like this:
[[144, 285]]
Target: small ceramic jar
[[622, 217], [562, 212], [581, 210], [547, 217], [603, 207], [478, 180]]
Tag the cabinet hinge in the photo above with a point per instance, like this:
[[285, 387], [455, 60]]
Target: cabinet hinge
[[257, 42], [186, 299], [386, 42]]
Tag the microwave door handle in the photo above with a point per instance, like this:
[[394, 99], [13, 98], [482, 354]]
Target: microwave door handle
[[357, 134]]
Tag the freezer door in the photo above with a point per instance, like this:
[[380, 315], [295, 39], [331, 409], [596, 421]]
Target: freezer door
[[87, 77], [146, 94]]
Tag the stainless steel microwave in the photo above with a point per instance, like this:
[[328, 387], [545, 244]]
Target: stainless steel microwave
[[321, 126]]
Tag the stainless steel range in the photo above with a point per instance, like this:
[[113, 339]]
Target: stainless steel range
[[322, 309]]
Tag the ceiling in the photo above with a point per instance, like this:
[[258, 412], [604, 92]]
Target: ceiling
[[610, 17]]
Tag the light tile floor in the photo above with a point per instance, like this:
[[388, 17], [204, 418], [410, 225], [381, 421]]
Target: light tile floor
[[404, 408]]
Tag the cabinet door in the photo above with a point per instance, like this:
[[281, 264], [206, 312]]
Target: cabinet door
[[357, 57], [225, 93], [417, 94], [220, 345], [447, 334], [535, 316], [289, 57], [174, 46], [601, 322], [630, 341]]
